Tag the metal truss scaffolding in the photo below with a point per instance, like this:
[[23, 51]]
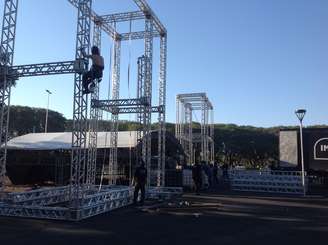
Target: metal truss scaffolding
[[82, 198], [142, 106], [6, 59], [186, 105]]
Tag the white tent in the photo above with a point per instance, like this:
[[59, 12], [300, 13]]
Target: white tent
[[63, 141]]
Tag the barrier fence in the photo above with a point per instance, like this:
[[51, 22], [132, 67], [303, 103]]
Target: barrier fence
[[289, 182], [271, 181]]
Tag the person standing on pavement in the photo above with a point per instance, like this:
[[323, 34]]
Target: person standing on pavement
[[197, 173], [215, 173], [140, 180]]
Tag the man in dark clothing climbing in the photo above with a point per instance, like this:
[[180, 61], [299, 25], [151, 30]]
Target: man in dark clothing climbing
[[140, 180], [197, 176]]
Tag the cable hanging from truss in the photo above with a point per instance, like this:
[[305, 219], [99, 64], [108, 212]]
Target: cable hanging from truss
[[129, 95], [106, 152]]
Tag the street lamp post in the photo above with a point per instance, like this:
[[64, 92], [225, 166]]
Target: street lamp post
[[47, 111], [300, 115]]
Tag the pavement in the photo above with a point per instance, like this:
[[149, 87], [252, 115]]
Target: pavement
[[211, 218]]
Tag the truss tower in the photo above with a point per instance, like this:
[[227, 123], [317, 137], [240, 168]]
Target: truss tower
[[187, 104]]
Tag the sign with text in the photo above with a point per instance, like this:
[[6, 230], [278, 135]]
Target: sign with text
[[317, 144], [321, 149]]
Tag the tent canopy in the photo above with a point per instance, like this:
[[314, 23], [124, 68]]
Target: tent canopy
[[63, 141]]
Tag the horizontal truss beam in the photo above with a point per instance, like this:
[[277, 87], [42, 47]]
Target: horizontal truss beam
[[44, 69], [137, 35], [122, 17], [132, 110], [120, 102], [125, 106], [191, 95]]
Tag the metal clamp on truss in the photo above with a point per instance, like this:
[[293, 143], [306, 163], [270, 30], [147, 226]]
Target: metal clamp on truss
[[4, 58], [81, 66], [6, 73], [3, 71]]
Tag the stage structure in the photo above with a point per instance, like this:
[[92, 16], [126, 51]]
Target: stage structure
[[82, 198], [143, 105], [187, 105]]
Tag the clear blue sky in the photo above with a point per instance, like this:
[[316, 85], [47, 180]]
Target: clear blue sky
[[258, 60]]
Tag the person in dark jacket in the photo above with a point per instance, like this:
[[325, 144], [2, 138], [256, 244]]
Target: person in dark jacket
[[140, 180], [215, 173], [197, 177]]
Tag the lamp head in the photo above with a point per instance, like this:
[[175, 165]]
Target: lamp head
[[300, 113]]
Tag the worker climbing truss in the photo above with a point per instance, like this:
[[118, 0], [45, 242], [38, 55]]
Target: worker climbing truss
[[187, 104], [82, 198]]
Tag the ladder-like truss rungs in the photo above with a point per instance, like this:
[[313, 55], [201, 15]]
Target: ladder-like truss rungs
[[137, 35], [44, 69], [121, 17], [120, 102], [131, 110]]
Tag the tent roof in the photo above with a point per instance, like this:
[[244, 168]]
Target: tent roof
[[63, 141]]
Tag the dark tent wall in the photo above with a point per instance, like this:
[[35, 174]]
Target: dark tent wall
[[28, 167]]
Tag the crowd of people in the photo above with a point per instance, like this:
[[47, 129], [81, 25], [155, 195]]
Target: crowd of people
[[207, 176]]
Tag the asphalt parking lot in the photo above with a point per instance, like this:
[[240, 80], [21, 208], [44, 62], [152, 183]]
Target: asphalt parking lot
[[233, 218]]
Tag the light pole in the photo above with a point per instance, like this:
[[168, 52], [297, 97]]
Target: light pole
[[46, 126], [300, 115]]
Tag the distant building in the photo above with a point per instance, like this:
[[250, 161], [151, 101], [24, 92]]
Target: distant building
[[46, 157]]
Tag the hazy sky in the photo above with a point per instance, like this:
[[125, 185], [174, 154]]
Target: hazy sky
[[258, 60]]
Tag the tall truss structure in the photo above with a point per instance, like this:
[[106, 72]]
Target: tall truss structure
[[82, 198], [143, 105], [187, 104]]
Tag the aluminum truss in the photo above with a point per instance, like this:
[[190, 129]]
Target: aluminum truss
[[80, 107], [6, 60], [113, 167], [186, 105], [44, 69], [94, 118], [143, 104], [82, 199]]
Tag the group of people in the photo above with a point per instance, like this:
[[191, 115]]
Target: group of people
[[200, 170]]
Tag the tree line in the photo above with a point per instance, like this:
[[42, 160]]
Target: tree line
[[253, 147]]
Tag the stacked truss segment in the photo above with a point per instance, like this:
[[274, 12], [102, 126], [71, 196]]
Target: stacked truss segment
[[146, 149], [80, 107], [94, 117], [187, 104], [113, 168], [162, 113], [6, 61]]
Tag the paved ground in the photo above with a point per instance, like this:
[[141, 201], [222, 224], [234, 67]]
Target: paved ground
[[205, 219]]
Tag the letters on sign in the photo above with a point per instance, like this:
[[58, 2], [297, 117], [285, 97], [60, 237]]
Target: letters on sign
[[321, 149]]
